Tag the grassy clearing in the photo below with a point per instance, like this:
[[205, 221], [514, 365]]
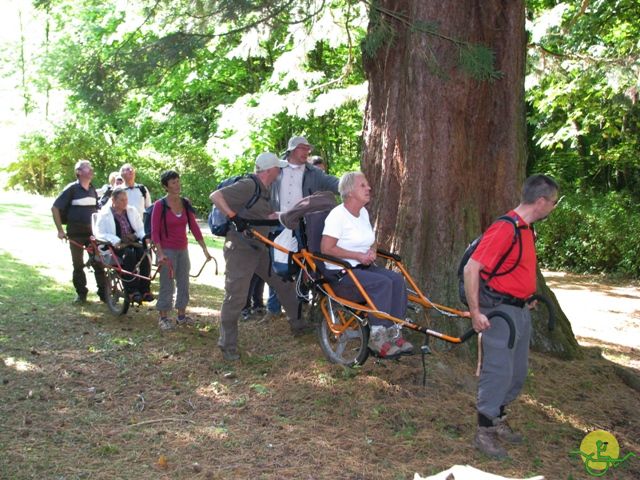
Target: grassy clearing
[[89, 395]]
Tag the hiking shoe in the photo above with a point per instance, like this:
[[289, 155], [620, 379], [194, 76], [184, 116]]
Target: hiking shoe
[[166, 324], [258, 311], [394, 335], [380, 345], [80, 299], [230, 355], [504, 431], [245, 313], [185, 320], [148, 297], [486, 441]]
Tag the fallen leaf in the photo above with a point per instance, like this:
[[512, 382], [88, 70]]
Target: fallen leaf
[[163, 463]]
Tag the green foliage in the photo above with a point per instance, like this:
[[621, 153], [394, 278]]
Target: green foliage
[[592, 233], [203, 87], [46, 165], [584, 94], [380, 33], [477, 61]]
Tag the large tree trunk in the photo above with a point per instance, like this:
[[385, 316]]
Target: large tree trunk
[[444, 153]]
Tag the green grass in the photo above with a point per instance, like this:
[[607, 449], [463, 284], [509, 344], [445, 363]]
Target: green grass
[[85, 394]]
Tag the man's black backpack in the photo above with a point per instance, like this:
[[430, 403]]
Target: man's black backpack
[[218, 221], [517, 237], [146, 218]]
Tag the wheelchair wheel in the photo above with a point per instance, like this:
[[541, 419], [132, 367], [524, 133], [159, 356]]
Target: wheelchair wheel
[[343, 338], [117, 299]]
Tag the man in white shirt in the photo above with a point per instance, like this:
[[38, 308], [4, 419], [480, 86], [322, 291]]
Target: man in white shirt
[[297, 180], [138, 195]]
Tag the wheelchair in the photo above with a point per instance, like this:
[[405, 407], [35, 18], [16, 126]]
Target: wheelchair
[[343, 330], [116, 277]]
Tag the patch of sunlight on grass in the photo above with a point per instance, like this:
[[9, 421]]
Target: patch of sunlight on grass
[[19, 280], [20, 365], [556, 414]]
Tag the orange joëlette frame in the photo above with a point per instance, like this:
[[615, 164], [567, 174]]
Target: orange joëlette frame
[[305, 260]]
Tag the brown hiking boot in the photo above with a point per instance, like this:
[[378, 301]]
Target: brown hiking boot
[[487, 442], [505, 433]]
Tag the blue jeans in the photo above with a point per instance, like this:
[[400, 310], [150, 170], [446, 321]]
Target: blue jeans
[[273, 304]]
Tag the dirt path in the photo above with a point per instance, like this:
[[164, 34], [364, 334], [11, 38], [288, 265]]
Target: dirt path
[[600, 311]]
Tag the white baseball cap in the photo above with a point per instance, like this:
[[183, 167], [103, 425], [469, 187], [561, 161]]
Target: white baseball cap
[[268, 160], [297, 141]]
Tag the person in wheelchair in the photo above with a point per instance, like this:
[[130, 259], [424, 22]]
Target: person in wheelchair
[[121, 225], [348, 235]]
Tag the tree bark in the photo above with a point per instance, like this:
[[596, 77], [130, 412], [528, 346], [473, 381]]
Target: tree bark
[[444, 153]]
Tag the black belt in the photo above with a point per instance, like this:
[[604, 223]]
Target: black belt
[[509, 299]]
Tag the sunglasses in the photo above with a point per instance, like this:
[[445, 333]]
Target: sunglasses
[[557, 201]]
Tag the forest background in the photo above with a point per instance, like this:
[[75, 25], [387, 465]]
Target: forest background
[[178, 85]]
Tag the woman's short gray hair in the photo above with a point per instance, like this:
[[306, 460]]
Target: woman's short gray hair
[[347, 183], [117, 191]]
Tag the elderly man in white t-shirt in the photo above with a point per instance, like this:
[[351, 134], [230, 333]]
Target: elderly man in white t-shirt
[[348, 235]]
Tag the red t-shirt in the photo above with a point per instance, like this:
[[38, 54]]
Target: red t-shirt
[[521, 282]]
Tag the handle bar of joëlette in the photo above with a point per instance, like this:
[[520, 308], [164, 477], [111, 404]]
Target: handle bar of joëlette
[[534, 298], [91, 249], [207, 260]]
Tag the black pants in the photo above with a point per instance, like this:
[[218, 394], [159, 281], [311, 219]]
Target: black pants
[[129, 257], [77, 258], [256, 292]]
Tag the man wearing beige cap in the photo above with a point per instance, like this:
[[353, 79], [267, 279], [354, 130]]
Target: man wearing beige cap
[[298, 179], [245, 256]]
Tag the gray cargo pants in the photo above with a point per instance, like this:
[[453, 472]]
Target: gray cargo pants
[[242, 261], [504, 371]]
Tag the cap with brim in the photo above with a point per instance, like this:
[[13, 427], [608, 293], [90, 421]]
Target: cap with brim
[[296, 142], [268, 160]]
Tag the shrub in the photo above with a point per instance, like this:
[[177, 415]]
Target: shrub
[[594, 233]]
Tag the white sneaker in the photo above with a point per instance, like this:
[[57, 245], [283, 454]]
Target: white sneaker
[[166, 324], [394, 335]]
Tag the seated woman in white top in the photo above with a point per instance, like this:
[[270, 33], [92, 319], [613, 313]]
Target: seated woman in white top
[[348, 235], [121, 225]]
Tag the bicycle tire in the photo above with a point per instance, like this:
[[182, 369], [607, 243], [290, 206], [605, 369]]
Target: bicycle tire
[[117, 299], [343, 338]]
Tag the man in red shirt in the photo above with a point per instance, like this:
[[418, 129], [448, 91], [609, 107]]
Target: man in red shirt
[[504, 370]]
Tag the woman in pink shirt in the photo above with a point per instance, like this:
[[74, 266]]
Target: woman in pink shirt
[[171, 216]]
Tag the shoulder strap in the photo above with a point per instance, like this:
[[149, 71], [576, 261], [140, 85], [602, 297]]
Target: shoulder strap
[[256, 194], [143, 190], [72, 192], [187, 208], [517, 237], [163, 215]]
